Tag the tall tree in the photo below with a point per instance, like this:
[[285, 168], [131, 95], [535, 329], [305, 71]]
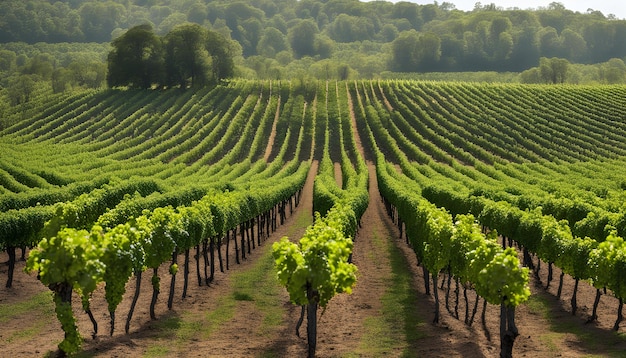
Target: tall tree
[[553, 70], [136, 59], [302, 38], [404, 51], [99, 19], [272, 42], [187, 61], [221, 51]]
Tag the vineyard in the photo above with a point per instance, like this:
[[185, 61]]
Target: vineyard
[[481, 211]]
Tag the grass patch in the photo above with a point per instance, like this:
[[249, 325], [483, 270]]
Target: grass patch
[[538, 305], [302, 220], [41, 303], [224, 312], [157, 350], [240, 296], [397, 328], [597, 342], [39, 309], [25, 334], [259, 284], [549, 340]]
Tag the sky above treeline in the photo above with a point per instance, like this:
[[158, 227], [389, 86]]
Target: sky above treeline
[[615, 7]]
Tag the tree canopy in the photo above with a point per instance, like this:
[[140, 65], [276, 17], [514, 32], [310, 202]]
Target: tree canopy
[[136, 59], [290, 38], [189, 55]]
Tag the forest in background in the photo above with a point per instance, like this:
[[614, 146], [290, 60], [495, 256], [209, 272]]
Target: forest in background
[[65, 43]]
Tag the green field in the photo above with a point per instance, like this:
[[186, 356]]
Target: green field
[[543, 165]]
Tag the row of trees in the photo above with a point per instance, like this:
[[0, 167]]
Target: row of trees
[[487, 38], [189, 55]]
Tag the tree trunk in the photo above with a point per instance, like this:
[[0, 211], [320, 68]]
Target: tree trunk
[[170, 299], [474, 310], [283, 214], [11, 252], [212, 258], [205, 255], [619, 315], [227, 244], [198, 265], [300, 320], [219, 253], [63, 306], [466, 304], [528, 261], [236, 246], [549, 274], [596, 302], [112, 322], [483, 320], [259, 229], [426, 280], [311, 332], [448, 291], [574, 306], [135, 297], [538, 268], [558, 291], [248, 237], [503, 340], [155, 291], [436, 293], [94, 323], [186, 274], [456, 297], [252, 234], [242, 229], [508, 330]]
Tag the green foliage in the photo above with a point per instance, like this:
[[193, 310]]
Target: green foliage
[[123, 255], [136, 59], [318, 262], [437, 240], [164, 225], [366, 39], [575, 259], [71, 260], [502, 280], [187, 61], [415, 52], [555, 237], [302, 38], [72, 341], [542, 165], [604, 263], [70, 257], [466, 238]]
